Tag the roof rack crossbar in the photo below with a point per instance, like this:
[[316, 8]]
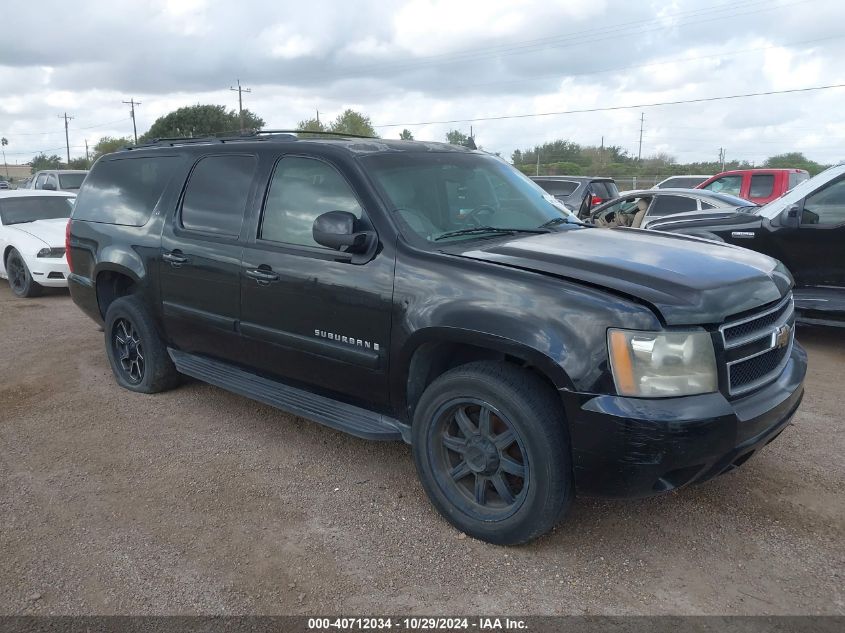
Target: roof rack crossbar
[[327, 133]]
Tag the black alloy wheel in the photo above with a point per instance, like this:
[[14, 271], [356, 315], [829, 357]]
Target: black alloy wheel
[[482, 465], [20, 279], [128, 350]]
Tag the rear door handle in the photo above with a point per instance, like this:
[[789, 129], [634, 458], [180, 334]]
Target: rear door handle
[[262, 275], [175, 258]]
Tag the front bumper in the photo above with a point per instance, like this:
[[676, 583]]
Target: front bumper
[[51, 272], [633, 447]]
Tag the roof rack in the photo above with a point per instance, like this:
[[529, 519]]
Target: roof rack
[[258, 135], [340, 134]]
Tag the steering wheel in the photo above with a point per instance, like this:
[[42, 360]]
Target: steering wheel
[[478, 212]]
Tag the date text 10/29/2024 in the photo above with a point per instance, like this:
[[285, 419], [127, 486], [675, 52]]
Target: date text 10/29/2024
[[416, 624]]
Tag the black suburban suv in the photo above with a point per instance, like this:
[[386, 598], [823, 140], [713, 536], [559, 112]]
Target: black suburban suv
[[434, 294]]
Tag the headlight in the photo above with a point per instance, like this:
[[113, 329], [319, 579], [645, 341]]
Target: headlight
[[51, 252], [662, 364]]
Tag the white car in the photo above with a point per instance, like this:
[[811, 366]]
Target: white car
[[32, 239]]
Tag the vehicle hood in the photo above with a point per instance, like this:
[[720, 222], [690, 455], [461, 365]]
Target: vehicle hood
[[686, 279], [51, 232], [726, 217]]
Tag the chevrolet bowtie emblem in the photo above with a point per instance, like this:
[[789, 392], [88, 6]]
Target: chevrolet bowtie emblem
[[782, 336]]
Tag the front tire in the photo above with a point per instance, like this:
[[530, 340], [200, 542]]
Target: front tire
[[20, 279], [136, 353], [492, 452]]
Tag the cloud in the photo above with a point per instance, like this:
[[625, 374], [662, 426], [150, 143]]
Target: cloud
[[425, 60]]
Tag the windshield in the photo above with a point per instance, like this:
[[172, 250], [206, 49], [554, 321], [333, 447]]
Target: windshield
[[31, 208], [433, 194], [776, 207], [71, 181]]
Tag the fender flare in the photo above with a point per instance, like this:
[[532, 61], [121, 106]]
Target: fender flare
[[493, 342]]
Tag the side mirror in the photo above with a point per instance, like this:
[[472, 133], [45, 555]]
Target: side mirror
[[336, 229], [791, 217], [48, 186]]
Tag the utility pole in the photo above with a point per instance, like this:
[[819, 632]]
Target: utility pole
[[241, 90], [318, 118], [601, 153], [722, 157], [538, 161], [67, 139], [133, 103], [87, 158], [640, 151]]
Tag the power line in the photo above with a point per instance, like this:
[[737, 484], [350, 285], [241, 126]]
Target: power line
[[612, 108], [239, 90], [133, 103], [67, 138]]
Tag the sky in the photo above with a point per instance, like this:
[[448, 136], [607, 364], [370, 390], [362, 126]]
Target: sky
[[417, 63]]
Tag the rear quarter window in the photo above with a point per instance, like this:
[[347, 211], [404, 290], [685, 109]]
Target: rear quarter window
[[605, 190], [124, 191]]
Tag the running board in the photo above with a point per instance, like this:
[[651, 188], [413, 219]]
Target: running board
[[338, 415]]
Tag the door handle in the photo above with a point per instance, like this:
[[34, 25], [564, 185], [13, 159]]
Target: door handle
[[262, 275], [174, 258]]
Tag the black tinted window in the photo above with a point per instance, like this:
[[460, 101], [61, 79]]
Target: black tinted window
[[30, 209], [664, 205], [826, 206], [605, 190], [71, 181], [762, 185], [124, 191], [302, 189], [217, 192]]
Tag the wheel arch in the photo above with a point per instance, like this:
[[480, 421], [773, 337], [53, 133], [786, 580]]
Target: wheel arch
[[433, 351], [113, 281]]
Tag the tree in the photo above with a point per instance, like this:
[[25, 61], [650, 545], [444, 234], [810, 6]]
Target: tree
[[42, 161], [79, 163], [405, 135], [314, 125], [351, 122], [201, 120], [794, 160], [109, 144], [456, 137]]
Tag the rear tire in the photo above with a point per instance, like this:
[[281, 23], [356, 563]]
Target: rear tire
[[136, 353], [20, 279], [492, 452]]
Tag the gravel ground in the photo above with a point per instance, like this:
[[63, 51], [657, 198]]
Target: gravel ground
[[201, 501]]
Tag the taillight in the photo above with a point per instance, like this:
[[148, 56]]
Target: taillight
[[597, 200], [67, 245]]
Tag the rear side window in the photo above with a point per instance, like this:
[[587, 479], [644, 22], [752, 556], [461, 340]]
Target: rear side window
[[216, 196], [797, 177], [665, 205], [124, 191], [762, 185], [726, 184], [605, 190]]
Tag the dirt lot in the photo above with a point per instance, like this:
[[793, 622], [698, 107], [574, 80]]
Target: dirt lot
[[200, 501]]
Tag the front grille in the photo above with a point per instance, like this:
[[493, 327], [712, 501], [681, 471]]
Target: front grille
[[738, 334], [55, 275], [758, 346], [754, 369]]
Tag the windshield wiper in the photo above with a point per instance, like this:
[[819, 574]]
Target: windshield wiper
[[556, 221], [486, 229]]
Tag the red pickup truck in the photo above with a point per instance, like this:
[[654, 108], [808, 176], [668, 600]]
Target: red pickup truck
[[758, 185]]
